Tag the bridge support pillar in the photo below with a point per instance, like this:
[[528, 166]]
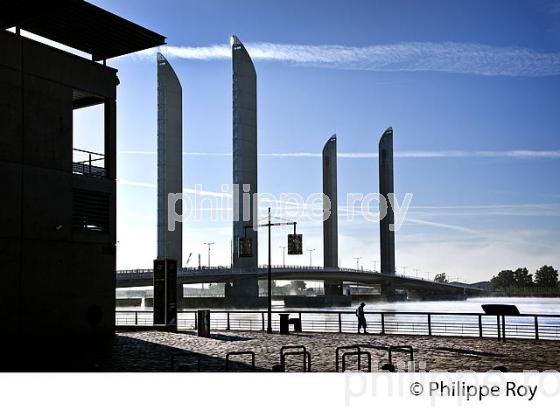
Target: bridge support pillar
[[388, 292], [227, 290], [386, 188], [333, 288], [427, 294], [244, 292], [330, 209]]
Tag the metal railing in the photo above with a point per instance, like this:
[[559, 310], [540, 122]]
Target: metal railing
[[525, 326], [86, 166]]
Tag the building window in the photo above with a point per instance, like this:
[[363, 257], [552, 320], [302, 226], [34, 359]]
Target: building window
[[90, 210], [88, 134]]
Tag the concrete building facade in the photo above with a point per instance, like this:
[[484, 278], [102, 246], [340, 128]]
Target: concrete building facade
[[330, 224], [244, 166], [386, 188], [57, 216], [57, 199], [169, 161]]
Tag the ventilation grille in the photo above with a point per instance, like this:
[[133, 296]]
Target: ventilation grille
[[90, 211]]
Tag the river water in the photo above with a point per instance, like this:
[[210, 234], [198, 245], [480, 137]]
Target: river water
[[397, 318], [525, 305]]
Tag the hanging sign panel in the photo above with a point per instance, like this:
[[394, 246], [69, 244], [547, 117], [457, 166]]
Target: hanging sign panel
[[295, 244], [245, 248]]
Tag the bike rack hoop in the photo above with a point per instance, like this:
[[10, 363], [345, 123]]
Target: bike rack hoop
[[359, 354], [401, 348], [337, 353], [306, 359], [292, 347]]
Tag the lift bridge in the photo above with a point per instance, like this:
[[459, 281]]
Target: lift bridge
[[415, 288]]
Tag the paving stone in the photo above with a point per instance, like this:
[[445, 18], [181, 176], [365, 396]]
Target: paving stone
[[155, 350]]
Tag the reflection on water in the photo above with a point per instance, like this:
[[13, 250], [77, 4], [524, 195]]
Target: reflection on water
[[525, 305]]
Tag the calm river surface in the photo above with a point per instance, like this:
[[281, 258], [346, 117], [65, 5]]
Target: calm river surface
[[525, 305]]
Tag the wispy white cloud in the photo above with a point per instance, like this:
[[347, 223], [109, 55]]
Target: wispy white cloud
[[151, 185], [431, 154], [194, 154], [551, 6], [489, 206], [122, 181], [445, 226], [519, 209], [480, 154], [451, 57], [520, 154]]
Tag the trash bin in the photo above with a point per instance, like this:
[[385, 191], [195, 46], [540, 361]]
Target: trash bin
[[203, 323], [284, 323], [297, 324]]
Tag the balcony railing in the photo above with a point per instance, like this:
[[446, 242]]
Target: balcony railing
[[88, 163]]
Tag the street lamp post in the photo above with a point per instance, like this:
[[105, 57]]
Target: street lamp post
[[357, 262], [269, 225], [269, 277], [311, 256], [283, 256], [209, 245]]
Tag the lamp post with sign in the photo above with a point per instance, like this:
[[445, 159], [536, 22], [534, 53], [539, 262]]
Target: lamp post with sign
[[209, 244], [311, 256], [295, 247]]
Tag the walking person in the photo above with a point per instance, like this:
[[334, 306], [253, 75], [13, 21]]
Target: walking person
[[361, 318]]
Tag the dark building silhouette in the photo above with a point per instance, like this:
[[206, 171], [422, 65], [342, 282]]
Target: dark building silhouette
[[170, 160], [244, 166], [386, 188], [57, 203], [330, 225]]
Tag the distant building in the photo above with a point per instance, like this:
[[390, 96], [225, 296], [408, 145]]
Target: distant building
[[169, 160], [57, 202]]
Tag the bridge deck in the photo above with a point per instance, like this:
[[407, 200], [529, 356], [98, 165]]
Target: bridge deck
[[144, 277]]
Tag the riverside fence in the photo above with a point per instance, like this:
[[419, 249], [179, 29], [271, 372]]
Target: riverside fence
[[524, 326]]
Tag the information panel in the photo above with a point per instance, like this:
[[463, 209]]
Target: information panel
[[159, 292], [245, 247], [171, 293], [295, 244], [165, 292]]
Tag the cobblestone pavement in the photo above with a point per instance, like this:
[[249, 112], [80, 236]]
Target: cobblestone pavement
[[163, 351]]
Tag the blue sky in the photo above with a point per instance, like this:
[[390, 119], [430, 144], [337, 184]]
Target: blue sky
[[478, 77]]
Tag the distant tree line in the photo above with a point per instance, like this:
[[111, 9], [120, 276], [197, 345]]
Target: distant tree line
[[544, 277], [519, 282], [441, 278]]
